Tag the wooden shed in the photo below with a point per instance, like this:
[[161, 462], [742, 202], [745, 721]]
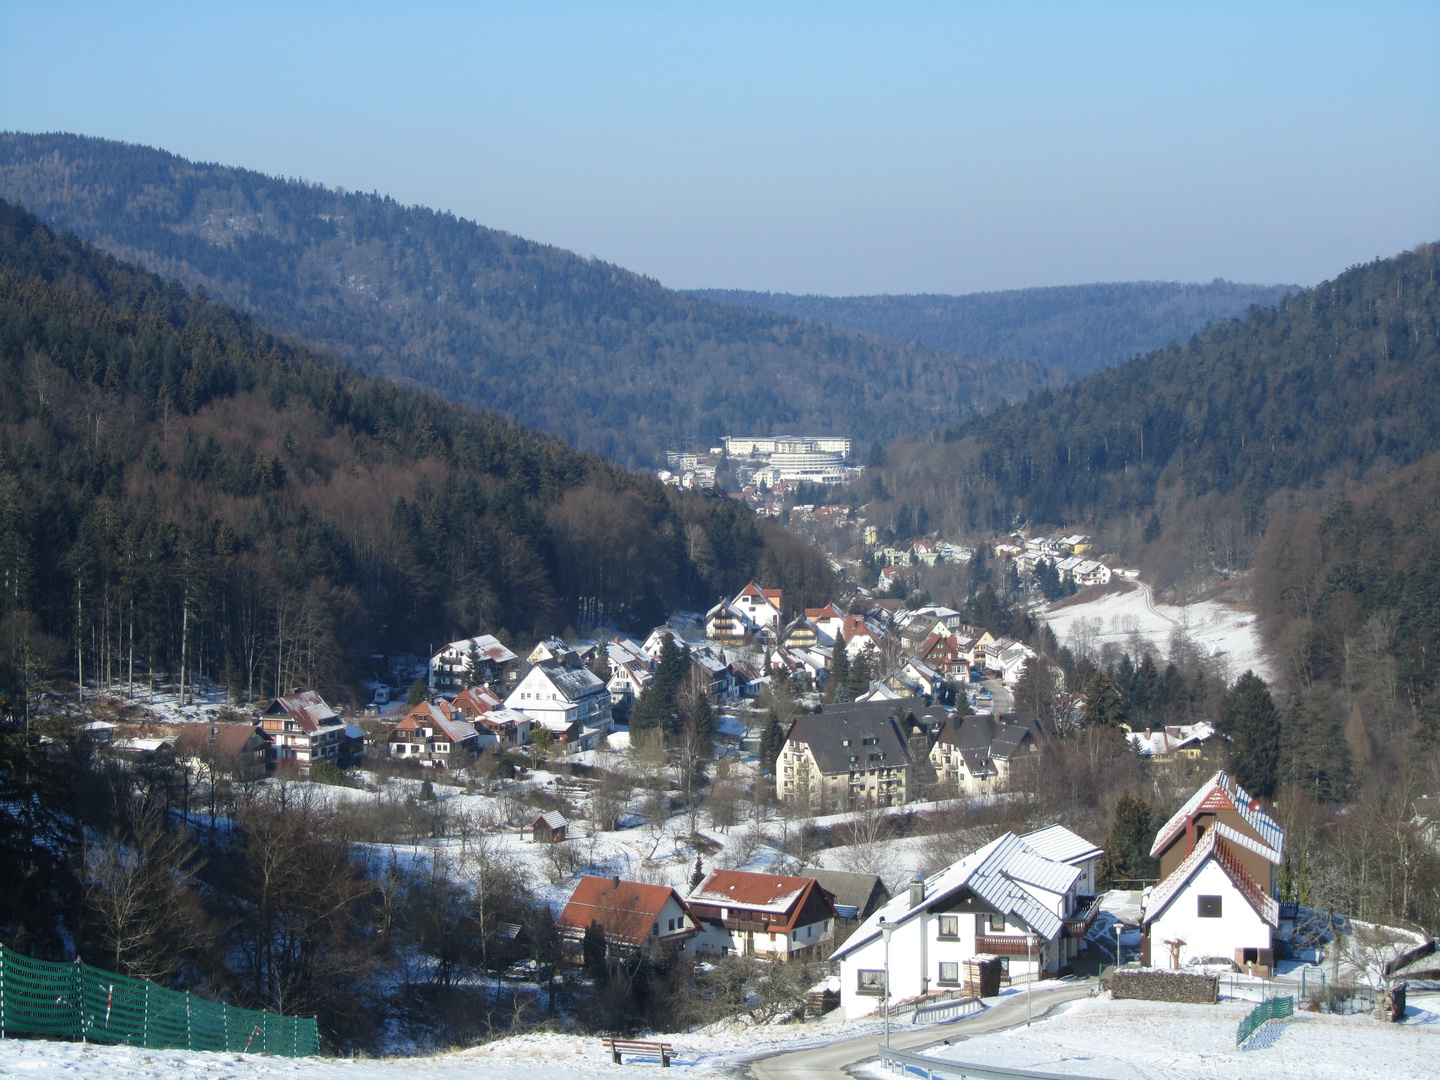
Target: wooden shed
[[548, 828]]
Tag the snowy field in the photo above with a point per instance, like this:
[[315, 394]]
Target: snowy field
[[1139, 1040], [537, 1055], [1228, 635]]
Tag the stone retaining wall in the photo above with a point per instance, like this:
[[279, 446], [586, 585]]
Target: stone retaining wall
[[1149, 984]]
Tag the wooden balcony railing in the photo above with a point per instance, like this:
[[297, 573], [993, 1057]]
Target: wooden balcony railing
[[1002, 946]]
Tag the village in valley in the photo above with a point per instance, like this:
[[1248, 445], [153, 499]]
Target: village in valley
[[851, 792]]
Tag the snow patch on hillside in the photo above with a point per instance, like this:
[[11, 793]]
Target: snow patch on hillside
[[1228, 636]]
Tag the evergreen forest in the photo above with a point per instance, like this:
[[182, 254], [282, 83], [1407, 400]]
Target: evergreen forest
[[179, 483], [1074, 328], [607, 359]]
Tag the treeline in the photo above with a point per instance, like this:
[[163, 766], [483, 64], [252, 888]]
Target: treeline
[[1189, 445], [179, 481], [607, 359], [1074, 328]]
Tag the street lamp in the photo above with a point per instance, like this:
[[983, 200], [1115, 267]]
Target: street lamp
[[1117, 944], [885, 932], [1029, 986]]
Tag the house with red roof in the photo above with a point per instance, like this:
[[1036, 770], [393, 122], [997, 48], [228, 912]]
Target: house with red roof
[[1219, 856], [434, 734], [829, 623], [633, 915], [303, 729], [767, 915]]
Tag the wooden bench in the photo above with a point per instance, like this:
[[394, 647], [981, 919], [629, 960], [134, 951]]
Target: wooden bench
[[635, 1046]]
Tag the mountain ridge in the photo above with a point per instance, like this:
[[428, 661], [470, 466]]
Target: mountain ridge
[[1077, 328], [608, 359]]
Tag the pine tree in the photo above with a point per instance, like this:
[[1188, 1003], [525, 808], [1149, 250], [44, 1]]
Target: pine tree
[[1249, 720], [656, 707], [474, 666], [1127, 848], [837, 687], [861, 672], [419, 692], [592, 950], [1104, 706], [697, 875], [771, 743], [1316, 757]]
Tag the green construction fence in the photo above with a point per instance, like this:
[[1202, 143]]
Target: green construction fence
[[77, 1001]]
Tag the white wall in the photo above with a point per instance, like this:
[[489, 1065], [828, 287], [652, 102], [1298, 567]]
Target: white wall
[[1239, 927], [916, 953]]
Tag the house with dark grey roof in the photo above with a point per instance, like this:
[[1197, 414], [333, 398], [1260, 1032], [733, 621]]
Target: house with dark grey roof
[[855, 896], [974, 754], [567, 699], [840, 759]]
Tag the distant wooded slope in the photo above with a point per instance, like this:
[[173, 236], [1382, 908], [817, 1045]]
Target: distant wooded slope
[[166, 462], [1339, 384], [1077, 328], [607, 359]]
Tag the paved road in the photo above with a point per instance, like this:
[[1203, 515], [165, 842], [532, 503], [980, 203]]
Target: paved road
[[832, 1062]]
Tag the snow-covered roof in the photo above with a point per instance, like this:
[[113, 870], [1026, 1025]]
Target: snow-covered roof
[[1060, 844], [1222, 792], [995, 873], [486, 645], [552, 820], [1214, 844]]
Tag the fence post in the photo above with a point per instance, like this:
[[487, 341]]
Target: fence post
[[145, 1024], [80, 999]]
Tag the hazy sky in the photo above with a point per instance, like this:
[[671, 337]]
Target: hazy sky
[[810, 148]]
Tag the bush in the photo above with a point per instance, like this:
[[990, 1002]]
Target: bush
[[327, 772]]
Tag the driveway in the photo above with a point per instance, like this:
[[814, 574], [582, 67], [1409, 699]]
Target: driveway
[[833, 1062]]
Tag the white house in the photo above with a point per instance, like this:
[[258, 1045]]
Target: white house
[[1059, 844], [1005, 900], [566, 700], [1219, 855], [766, 915], [447, 667], [1211, 907], [829, 623]]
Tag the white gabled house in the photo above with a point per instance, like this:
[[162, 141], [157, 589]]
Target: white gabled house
[[1219, 856], [1004, 901], [566, 699], [447, 667]]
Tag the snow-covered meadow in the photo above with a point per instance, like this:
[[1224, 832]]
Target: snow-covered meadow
[[1226, 634], [1140, 1040]]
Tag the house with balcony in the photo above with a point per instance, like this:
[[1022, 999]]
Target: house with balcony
[[568, 700], [435, 735], [766, 915], [447, 674], [303, 729], [848, 757], [974, 754], [1219, 858], [1005, 901]]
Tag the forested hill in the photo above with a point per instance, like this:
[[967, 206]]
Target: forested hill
[[1338, 384], [1077, 328], [605, 358], [160, 453]]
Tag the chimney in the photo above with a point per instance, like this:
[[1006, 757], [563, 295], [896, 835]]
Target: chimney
[[917, 891], [615, 882]]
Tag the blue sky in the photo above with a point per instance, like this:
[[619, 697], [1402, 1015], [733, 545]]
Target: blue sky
[[828, 148]]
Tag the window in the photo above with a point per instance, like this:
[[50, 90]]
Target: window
[[871, 982], [672, 924], [997, 923], [949, 926], [950, 974], [1209, 907]]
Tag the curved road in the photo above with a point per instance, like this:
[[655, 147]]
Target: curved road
[[834, 1061]]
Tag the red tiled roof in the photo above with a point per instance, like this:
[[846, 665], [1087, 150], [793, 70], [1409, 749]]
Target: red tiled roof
[[477, 700], [626, 912], [307, 708], [740, 888]]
